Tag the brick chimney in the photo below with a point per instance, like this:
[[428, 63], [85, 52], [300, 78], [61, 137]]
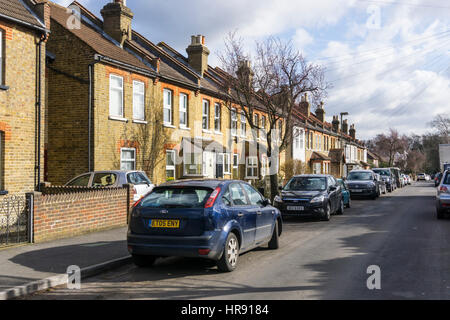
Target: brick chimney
[[117, 19], [198, 54], [320, 112], [336, 123], [305, 107], [352, 131], [245, 72], [345, 126]]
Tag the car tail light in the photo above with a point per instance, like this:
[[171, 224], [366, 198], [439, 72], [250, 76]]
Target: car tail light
[[212, 198], [204, 252]]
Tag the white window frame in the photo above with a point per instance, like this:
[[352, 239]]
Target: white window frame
[[111, 89], [168, 105], [128, 160], [263, 126], [235, 163], [205, 103], [217, 117], [183, 108], [251, 166], [137, 94], [234, 122], [226, 163], [171, 167], [243, 125]]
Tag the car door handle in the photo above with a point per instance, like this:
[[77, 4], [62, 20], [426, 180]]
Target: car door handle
[[240, 214], [259, 213]]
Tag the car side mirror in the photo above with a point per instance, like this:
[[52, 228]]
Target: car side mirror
[[266, 202], [280, 188], [333, 188]]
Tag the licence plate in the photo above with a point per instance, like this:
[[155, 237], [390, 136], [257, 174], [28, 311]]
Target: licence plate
[[295, 208], [356, 190], [175, 224]]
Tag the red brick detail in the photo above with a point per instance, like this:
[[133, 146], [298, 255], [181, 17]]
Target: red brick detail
[[127, 144], [7, 29], [6, 129]]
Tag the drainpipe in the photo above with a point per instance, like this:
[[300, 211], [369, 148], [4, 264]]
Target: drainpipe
[[39, 105], [91, 90]]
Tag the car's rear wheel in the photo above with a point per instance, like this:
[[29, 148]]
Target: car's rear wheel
[[228, 261], [274, 243], [143, 261]]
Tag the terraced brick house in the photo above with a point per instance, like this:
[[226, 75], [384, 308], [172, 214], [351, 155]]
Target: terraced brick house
[[24, 29], [116, 100]]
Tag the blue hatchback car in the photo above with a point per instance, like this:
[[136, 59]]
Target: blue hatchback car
[[213, 219]]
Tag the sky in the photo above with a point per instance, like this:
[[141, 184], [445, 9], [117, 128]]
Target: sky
[[388, 61]]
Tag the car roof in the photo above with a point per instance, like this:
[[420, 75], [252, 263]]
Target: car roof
[[361, 170], [311, 175], [209, 183]]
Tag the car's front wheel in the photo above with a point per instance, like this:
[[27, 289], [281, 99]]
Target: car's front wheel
[[327, 214], [340, 211], [228, 261], [274, 243]]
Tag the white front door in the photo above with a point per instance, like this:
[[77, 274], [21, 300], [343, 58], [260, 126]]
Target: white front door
[[208, 164]]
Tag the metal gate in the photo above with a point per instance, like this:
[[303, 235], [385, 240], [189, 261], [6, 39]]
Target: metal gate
[[14, 220]]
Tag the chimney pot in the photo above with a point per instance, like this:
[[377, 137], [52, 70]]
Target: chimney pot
[[198, 54]]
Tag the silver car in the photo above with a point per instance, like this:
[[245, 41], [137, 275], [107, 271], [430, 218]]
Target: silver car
[[443, 196], [113, 179]]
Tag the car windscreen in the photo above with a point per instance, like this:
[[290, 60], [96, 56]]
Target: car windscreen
[[382, 172], [306, 184], [360, 176], [177, 197], [138, 178]]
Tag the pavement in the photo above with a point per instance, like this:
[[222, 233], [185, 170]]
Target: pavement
[[399, 233], [33, 267]]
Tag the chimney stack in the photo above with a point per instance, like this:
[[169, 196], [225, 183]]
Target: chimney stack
[[336, 124], [245, 72], [345, 126], [42, 10], [305, 107], [320, 112], [353, 131], [198, 54], [117, 19]]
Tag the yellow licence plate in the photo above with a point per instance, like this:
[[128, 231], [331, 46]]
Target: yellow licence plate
[[165, 223]]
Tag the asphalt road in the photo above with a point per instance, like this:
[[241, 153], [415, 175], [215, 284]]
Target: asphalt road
[[399, 232]]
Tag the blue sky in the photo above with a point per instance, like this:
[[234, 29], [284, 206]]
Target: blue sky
[[388, 60]]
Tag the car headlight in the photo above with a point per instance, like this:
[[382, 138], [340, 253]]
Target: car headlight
[[278, 199], [318, 199]]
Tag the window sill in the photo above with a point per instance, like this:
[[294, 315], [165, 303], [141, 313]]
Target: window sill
[[218, 133], [114, 118], [185, 128], [206, 131], [140, 121], [5, 88], [169, 126]]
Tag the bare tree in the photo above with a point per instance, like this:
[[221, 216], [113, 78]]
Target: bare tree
[[415, 161], [442, 124], [273, 81], [390, 145]]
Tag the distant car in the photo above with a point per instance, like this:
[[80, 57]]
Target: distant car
[[405, 179], [363, 183], [317, 195], [421, 177], [427, 177], [437, 179], [388, 177], [443, 195], [212, 219], [113, 179], [408, 179], [345, 193]]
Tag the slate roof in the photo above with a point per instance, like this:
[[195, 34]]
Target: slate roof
[[18, 10]]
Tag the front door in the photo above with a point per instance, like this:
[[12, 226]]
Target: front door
[[219, 165], [208, 164]]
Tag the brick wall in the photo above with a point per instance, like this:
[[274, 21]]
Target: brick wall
[[18, 108], [64, 215]]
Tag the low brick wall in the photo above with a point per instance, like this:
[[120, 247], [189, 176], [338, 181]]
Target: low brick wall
[[75, 212]]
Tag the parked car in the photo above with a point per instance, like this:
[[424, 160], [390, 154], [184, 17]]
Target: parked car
[[318, 195], [427, 177], [345, 193], [405, 179], [437, 179], [421, 177], [408, 179], [443, 196], [363, 183], [396, 173], [381, 183], [114, 179], [388, 177], [213, 219]]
